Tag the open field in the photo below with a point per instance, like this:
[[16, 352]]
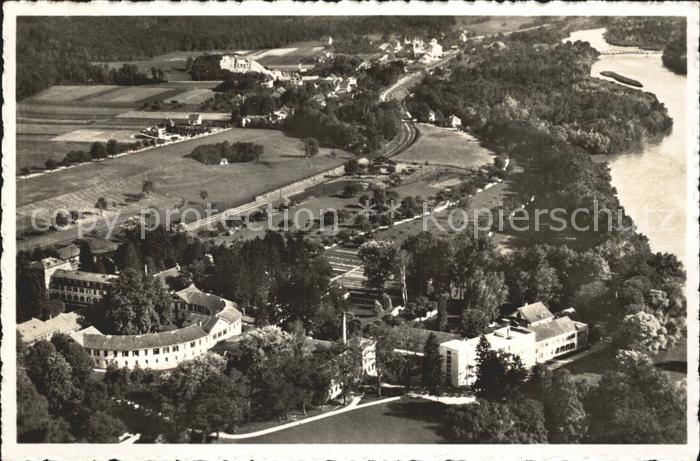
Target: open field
[[446, 147], [177, 179], [91, 136], [406, 420], [36, 152], [175, 115], [131, 94], [195, 96], [498, 24], [67, 93]]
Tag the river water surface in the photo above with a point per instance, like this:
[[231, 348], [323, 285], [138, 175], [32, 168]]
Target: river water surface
[[651, 184]]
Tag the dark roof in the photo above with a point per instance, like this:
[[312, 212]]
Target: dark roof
[[556, 327], [146, 341], [454, 306], [533, 312], [413, 339], [85, 276], [68, 251], [101, 246]]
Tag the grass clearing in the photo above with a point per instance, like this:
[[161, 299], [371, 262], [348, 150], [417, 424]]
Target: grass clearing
[[177, 178], [498, 24], [406, 420], [446, 147], [90, 136], [194, 96], [36, 153], [130, 94], [67, 93]]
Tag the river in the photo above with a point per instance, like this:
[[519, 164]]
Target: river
[[651, 183]]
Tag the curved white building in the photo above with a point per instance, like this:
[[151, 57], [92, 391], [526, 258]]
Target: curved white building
[[207, 319]]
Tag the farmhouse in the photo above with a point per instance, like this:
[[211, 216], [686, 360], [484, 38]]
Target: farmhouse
[[238, 64], [77, 288], [35, 330], [194, 119], [208, 319], [533, 334]]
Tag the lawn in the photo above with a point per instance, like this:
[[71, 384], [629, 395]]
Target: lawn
[[36, 152], [404, 421], [446, 147]]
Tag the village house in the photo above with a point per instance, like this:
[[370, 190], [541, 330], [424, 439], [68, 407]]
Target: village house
[[453, 121], [194, 119], [69, 253], [433, 51], [279, 91]]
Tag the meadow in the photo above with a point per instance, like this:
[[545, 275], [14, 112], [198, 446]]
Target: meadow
[[446, 147]]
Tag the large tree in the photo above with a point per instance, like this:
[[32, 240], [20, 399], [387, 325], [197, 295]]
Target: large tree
[[499, 374], [519, 421], [32, 411], [638, 404], [133, 304], [432, 363], [219, 405], [51, 374], [379, 261], [101, 427]]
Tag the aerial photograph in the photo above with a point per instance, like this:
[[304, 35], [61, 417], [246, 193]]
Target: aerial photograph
[[352, 230]]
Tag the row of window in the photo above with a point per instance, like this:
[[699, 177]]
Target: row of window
[[154, 351], [76, 298], [92, 291], [79, 283]]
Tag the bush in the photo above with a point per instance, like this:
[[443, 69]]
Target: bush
[[212, 154]]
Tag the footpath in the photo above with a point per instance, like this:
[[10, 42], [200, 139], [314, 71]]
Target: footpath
[[354, 405]]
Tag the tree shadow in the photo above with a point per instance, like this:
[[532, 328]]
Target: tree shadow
[[673, 365], [430, 413]]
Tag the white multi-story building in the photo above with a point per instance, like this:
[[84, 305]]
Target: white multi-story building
[[208, 319], [48, 266], [35, 330], [77, 288], [535, 335]]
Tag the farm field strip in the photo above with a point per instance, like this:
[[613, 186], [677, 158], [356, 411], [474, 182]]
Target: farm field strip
[[130, 94], [96, 136], [68, 93], [172, 114], [194, 96]]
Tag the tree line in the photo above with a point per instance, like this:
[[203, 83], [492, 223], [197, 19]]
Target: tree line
[[58, 50]]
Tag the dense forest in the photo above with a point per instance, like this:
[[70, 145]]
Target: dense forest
[[55, 50], [653, 33], [549, 89]]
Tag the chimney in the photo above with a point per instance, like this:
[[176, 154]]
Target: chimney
[[345, 329]]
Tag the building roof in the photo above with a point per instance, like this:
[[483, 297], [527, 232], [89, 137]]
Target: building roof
[[145, 341], [101, 246], [163, 275], [220, 307], [534, 312], [553, 328], [413, 339], [35, 328], [48, 263], [84, 276], [68, 251]]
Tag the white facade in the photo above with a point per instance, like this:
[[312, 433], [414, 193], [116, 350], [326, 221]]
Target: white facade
[[212, 319], [50, 265], [459, 355], [542, 340]]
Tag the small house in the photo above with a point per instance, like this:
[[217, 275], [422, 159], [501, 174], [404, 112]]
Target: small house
[[194, 119], [223, 161], [453, 121]]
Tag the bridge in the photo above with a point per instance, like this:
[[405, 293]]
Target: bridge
[[640, 52]]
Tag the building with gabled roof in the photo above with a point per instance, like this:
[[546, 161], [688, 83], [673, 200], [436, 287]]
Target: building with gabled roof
[[35, 330], [531, 314]]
